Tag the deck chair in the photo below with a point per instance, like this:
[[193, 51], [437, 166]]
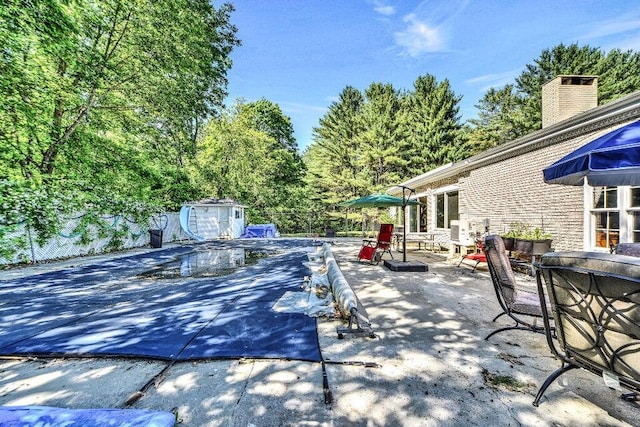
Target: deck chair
[[372, 250], [595, 307], [477, 257], [521, 305]]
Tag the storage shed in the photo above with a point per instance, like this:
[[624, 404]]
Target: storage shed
[[209, 219]]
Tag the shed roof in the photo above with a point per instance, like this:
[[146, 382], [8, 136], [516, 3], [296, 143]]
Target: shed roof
[[214, 202]]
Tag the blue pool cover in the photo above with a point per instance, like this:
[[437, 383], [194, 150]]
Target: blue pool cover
[[21, 416], [111, 309]]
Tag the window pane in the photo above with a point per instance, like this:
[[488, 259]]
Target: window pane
[[413, 223], [611, 197], [636, 227], [601, 239], [598, 198], [423, 215], [601, 220], [440, 210], [452, 205], [635, 197], [614, 221]]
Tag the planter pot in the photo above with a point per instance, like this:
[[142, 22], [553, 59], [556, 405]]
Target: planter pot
[[508, 243], [541, 246], [523, 246]]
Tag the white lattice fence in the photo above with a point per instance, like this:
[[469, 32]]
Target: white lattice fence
[[68, 243]]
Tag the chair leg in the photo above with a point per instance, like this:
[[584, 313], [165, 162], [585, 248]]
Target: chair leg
[[539, 330], [501, 314], [564, 368]]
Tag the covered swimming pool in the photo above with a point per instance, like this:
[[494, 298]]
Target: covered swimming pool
[[207, 300]]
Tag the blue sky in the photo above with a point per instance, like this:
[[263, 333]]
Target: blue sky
[[302, 54]]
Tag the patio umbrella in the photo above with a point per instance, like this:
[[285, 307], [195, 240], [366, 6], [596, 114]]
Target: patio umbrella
[[384, 201], [610, 160], [378, 201]]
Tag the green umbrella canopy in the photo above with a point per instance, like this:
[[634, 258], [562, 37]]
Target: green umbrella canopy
[[378, 201]]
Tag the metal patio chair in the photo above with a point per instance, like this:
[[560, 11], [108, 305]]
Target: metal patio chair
[[521, 305], [595, 307]]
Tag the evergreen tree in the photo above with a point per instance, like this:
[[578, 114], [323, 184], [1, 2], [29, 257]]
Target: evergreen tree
[[499, 119], [432, 126], [559, 60], [378, 141]]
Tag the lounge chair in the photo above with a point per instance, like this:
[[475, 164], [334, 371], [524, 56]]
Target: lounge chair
[[523, 306], [595, 307], [372, 250], [477, 257]]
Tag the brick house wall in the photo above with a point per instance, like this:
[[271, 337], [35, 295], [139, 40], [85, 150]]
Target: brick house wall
[[505, 183], [513, 190]]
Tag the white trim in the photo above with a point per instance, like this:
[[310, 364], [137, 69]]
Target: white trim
[[446, 189]]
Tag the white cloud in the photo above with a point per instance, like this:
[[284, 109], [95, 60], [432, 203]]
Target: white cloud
[[297, 107], [496, 80], [385, 10], [419, 37], [612, 28]]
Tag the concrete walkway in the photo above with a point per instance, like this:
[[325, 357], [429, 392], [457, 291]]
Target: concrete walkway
[[428, 366]]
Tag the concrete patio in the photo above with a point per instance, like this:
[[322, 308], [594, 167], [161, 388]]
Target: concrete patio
[[428, 366]]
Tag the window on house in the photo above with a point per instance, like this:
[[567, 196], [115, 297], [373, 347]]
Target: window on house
[[606, 216], [446, 209], [634, 212], [413, 222], [418, 217]]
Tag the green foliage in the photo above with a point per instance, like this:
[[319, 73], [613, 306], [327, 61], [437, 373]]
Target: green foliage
[[510, 112], [366, 143], [101, 102], [433, 134], [241, 156], [499, 119], [521, 230]]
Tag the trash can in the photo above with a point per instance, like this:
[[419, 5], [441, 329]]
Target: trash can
[[155, 238]]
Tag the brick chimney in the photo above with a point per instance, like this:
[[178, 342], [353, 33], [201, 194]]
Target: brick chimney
[[566, 96]]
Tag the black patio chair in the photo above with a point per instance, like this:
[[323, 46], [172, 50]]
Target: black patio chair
[[521, 305], [595, 308]]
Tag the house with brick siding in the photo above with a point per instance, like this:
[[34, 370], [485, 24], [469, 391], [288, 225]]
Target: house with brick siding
[[503, 187]]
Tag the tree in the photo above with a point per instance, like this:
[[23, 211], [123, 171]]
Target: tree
[[561, 59], [105, 97], [618, 75], [378, 141], [514, 111], [499, 119], [432, 126], [241, 157], [333, 160], [141, 72]]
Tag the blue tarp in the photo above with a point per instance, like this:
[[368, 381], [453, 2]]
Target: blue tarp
[[260, 230], [610, 160], [110, 309]]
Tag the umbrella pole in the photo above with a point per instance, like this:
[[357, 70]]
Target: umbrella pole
[[405, 202], [404, 231]]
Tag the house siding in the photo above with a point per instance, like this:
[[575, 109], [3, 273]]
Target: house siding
[[505, 184]]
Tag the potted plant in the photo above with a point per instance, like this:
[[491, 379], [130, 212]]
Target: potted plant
[[541, 242], [509, 239]]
